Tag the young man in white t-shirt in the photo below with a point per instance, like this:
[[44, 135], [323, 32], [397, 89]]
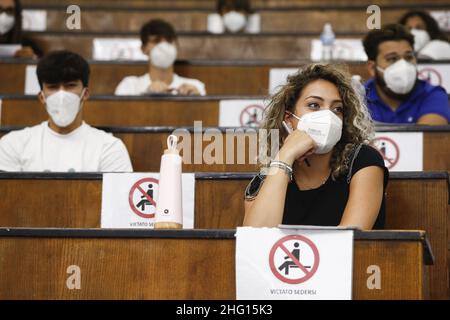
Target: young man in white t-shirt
[[159, 44], [64, 143]]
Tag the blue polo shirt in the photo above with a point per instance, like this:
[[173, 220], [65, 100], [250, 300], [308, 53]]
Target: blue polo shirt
[[424, 99]]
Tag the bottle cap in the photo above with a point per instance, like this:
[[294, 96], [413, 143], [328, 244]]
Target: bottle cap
[[172, 141]]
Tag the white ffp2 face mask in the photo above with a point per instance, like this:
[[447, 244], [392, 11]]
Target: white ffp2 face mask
[[421, 38], [234, 21], [6, 23], [400, 77], [63, 107], [324, 127], [163, 55]]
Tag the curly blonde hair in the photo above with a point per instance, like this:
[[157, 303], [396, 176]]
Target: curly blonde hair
[[358, 127]]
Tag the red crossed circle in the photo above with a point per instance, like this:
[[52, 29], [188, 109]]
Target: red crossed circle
[[280, 245], [137, 187], [391, 162]]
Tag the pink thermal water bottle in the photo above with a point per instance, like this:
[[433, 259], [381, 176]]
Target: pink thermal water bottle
[[169, 208]]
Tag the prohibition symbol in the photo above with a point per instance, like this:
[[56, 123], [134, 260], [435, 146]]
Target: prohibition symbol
[[141, 197], [294, 259], [388, 149], [251, 115], [430, 75]]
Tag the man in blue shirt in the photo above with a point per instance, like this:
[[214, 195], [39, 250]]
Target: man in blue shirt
[[395, 94]]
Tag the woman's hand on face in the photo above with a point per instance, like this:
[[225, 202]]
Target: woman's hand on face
[[297, 145]]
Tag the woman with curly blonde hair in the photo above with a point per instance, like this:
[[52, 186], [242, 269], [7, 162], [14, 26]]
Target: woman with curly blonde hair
[[325, 172]]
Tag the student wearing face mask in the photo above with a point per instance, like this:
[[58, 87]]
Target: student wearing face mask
[[324, 173], [429, 41], [234, 16], [64, 143], [395, 94], [159, 43], [11, 30]]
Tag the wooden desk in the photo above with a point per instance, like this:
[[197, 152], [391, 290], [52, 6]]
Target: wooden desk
[[146, 144], [188, 264], [414, 201], [305, 18], [220, 77]]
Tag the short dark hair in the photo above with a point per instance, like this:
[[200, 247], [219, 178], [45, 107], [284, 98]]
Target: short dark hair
[[62, 66], [390, 32], [159, 28], [430, 24], [236, 5]]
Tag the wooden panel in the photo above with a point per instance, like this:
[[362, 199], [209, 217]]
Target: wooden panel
[[436, 151], [210, 4], [311, 20], [224, 47], [36, 268], [251, 79], [119, 113], [429, 196]]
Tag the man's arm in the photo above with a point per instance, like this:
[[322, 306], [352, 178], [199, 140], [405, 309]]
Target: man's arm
[[432, 119]]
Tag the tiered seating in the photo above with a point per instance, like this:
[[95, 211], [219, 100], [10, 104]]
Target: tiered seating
[[414, 201]]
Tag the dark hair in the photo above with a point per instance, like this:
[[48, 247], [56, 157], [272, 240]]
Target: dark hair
[[15, 34], [237, 5], [390, 32], [430, 24], [62, 66], [159, 28]]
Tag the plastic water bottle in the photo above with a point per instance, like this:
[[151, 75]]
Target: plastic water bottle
[[327, 37]]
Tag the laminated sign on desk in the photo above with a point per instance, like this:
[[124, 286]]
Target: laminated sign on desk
[[303, 263], [129, 200]]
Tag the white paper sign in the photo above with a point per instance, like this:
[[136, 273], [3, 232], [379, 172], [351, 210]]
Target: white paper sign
[[241, 113], [9, 50], [31, 80], [278, 77], [401, 151], [273, 264], [118, 49], [436, 74], [129, 199], [443, 19], [343, 49], [34, 20]]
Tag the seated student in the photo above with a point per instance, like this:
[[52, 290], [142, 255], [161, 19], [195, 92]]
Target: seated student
[[158, 42], [339, 181], [64, 143], [234, 16], [11, 30], [395, 94], [429, 41]]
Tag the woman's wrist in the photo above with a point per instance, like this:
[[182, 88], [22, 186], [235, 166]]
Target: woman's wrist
[[282, 156]]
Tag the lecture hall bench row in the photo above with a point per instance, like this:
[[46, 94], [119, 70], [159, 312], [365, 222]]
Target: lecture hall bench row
[[306, 18], [146, 145], [415, 201], [182, 264], [219, 76]]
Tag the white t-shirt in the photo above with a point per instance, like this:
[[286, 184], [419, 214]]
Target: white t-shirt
[[85, 149], [436, 50], [136, 86]]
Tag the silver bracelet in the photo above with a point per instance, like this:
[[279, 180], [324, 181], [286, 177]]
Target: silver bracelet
[[282, 165]]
